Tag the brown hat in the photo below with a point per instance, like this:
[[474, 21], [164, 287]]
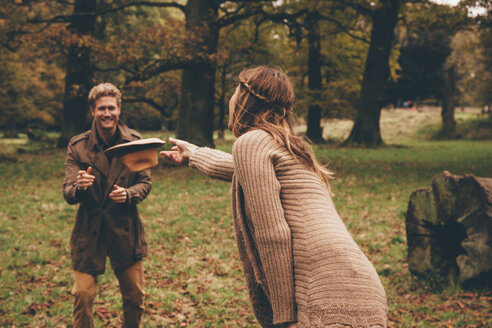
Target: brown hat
[[138, 155]]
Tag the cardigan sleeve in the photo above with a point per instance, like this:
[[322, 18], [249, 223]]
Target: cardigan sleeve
[[253, 155], [214, 163]]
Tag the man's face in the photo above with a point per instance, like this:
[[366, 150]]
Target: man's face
[[106, 112]]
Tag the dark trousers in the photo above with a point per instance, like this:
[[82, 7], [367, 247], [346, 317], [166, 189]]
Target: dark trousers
[[131, 280]]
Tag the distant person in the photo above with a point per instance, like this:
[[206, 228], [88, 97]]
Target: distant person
[[302, 267], [107, 222], [486, 110]]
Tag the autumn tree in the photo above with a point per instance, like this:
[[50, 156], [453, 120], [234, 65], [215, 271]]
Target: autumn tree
[[196, 115], [384, 16], [196, 112], [468, 56], [322, 24], [79, 71], [246, 43], [428, 68], [486, 43], [78, 34], [12, 89], [30, 81], [78, 79], [196, 58], [314, 26]]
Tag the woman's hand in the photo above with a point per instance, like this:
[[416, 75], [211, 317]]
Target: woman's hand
[[181, 151]]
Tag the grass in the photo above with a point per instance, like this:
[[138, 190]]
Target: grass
[[193, 274]]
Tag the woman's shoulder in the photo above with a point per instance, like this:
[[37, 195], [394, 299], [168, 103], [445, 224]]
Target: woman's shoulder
[[254, 141], [254, 137]]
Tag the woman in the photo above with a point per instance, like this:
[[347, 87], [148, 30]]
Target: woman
[[302, 267]]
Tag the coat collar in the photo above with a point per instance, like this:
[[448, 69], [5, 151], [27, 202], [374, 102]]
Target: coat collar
[[93, 143], [97, 156]]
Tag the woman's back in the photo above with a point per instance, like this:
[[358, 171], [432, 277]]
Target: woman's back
[[334, 281]]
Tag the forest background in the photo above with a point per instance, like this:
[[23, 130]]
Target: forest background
[[391, 92], [176, 62]]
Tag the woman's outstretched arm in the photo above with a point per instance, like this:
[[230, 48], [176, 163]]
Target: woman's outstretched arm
[[214, 163]]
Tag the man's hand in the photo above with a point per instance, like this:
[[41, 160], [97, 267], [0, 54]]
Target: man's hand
[[181, 152], [85, 179], [119, 194]]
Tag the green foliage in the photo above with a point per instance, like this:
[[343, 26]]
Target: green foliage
[[29, 91], [143, 118], [141, 48], [468, 57], [343, 62], [425, 37], [486, 41], [12, 89]]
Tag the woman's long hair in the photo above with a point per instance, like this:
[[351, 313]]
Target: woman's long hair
[[265, 100]]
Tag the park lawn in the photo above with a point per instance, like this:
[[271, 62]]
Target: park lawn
[[193, 274]]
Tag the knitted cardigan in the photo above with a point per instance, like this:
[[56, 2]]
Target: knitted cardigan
[[300, 262]]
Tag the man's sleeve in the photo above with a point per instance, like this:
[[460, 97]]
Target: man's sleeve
[[72, 167], [141, 188]]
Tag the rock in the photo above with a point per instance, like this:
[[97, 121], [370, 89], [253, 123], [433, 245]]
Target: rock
[[449, 230]]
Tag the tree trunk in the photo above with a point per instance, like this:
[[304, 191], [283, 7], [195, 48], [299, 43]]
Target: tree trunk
[[366, 129], [222, 102], [78, 79], [196, 113], [11, 127], [314, 130], [449, 103], [449, 231]]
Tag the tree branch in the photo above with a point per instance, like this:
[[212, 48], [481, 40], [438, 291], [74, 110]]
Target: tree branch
[[343, 28], [68, 18], [161, 67], [356, 6], [235, 16], [114, 69], [166, 111]]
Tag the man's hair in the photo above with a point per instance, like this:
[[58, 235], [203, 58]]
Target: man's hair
[[102, 90]]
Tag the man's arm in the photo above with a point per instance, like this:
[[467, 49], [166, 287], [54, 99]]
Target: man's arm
[[71, 191], [141, 187]]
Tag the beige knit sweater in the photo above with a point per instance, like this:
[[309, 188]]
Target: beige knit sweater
[[300, 262]]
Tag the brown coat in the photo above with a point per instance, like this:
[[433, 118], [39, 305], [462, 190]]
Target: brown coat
[[103, 228]]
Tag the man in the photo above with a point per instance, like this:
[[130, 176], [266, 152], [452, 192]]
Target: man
[[107, 222]]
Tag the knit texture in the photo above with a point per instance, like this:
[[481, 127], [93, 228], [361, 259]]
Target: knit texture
[[300, 262]]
